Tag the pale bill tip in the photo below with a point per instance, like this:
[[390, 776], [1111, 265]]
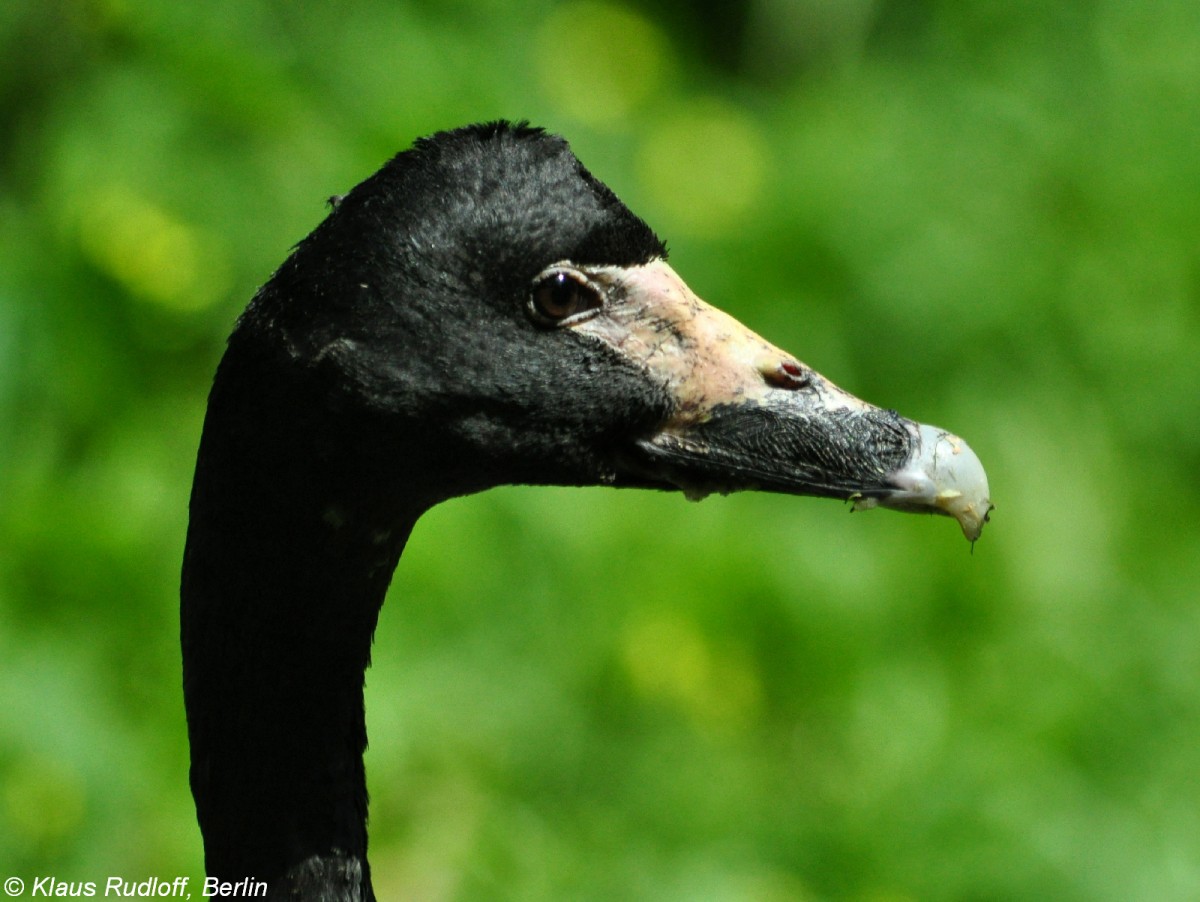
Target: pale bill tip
[[943, 476]]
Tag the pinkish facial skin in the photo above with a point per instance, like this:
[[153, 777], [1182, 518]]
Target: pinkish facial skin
[[704, 355], [708, 362]]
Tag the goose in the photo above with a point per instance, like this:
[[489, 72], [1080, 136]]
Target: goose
[[480, 311]]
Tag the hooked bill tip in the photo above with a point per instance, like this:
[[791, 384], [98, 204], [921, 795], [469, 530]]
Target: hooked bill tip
[[942, 476]]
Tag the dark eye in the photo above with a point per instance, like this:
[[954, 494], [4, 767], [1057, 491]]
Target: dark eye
[[562, 296]]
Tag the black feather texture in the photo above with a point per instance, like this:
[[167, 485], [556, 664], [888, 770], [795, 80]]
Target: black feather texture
[[399, 357], [388, 364]]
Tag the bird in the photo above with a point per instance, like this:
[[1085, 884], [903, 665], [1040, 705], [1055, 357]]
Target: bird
[[480, 311]]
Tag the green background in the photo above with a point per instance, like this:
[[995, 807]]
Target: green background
[[984, 214]]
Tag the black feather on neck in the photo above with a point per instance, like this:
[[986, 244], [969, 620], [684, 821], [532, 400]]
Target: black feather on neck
[[387, 366]]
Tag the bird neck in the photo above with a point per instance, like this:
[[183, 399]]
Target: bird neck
[[291, 546]]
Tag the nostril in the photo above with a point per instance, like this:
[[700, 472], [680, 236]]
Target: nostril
[[789, 374]]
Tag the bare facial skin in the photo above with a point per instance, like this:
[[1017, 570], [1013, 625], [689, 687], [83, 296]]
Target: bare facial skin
[[707, 360], [705, 356]]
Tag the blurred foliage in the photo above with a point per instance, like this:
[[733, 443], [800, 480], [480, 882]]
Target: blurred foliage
[[983, 214]]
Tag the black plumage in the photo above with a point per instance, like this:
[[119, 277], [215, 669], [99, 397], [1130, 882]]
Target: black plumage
[[480, 311]]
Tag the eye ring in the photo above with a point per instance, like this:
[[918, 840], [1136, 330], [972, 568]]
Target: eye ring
[[560, 297]]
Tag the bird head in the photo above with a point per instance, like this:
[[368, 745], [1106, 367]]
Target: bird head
[[502, 317]]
